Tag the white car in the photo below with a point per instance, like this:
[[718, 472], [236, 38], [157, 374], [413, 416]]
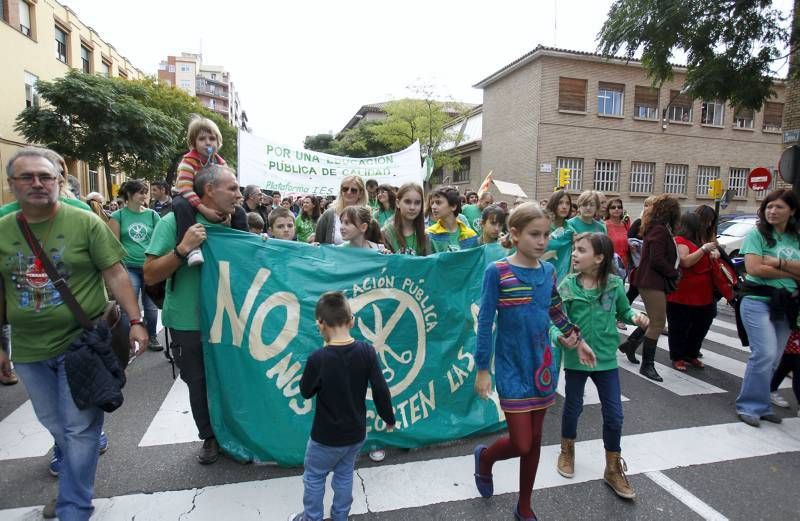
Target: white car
[[730, 235]]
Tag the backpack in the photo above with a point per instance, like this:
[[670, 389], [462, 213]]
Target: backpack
[[635, 248]]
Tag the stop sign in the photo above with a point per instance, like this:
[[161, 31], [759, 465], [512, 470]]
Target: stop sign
[[759, 179]]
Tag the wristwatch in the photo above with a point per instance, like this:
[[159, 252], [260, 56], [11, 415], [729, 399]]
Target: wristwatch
[[178, 254]]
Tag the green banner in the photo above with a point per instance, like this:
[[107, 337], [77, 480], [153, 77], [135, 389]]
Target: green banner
[[258, 323]]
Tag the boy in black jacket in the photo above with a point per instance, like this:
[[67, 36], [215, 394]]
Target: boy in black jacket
[[338, 375]]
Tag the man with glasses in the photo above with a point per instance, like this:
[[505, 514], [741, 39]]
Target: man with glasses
[[87, 255], [254, 202]]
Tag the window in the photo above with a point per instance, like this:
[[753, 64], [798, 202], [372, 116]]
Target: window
[[461, 174], [105, 69], [571, 94], [737, 181], [24, 17], [675, 179], [212, 104], [645, 103], [606, 175], [185, 67], [743, 118], [186, 85], [642, 175], [93, 184], [86, 60], [704, 175], [31, 96], [213, 76], [171, 68], [123, 74], [575, 165], [437, 176], [712, 113], [610, 98], [61, 45], [680, 108], [773, 116], [761, 194]]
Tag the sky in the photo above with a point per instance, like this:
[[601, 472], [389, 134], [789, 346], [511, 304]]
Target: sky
[[305, 67]]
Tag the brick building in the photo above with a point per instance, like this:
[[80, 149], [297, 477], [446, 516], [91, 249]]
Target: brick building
[[555, 108]]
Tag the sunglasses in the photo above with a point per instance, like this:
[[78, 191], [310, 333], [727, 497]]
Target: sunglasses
[[615, 208], [350, 189]]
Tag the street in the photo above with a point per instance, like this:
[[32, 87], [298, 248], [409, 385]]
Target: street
[[688, 458]]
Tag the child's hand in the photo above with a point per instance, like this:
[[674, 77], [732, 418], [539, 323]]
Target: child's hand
[[212, 215], [569, 341], [390, 428], [483, 384], [549, 255], [641, 320], [264, 237], [586, 355]]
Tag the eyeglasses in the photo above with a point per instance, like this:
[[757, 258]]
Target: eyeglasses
[[350, 189], [615, 208], [27, 179]]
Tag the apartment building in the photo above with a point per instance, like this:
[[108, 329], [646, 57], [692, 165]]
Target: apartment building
[[42, 40], [602, 119], [210, 84]]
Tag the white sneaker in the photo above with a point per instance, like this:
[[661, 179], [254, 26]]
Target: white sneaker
[[778, 401], [195, 257], [377, 455]]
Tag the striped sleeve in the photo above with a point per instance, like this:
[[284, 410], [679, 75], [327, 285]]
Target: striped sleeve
[[557, 315], [185, 180]]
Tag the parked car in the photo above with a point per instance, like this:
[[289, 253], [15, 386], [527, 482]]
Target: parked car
[[730, 234]]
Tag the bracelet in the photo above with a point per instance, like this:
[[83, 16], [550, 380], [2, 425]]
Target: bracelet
[[137, 322], [178, 254]]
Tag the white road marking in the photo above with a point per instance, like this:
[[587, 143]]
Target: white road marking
[[173, 423], [22, 436], [675, 381], [407, 485], [701, 508]]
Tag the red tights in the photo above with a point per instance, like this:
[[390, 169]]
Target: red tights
[[524, 440]]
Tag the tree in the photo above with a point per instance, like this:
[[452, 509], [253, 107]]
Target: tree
[[319, 143], [730, 45], [100, 121]]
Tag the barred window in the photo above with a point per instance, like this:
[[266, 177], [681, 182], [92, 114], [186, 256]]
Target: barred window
[[675, 179], [737, 181], [704, 175], [575, 165], [461, 174], [642, 175], [606, 175], [773, 185]]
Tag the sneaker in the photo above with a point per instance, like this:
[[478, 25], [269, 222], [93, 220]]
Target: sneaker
[[752, 421], [154, 344], [377, 455], [772, 418], [103, 443], [209, 453], [11, 379], [195, 257], [778, 401], [297, 516], [49, 510], [621, 325], [55, 464]]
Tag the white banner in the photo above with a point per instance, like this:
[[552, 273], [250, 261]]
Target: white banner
[[273, 166]]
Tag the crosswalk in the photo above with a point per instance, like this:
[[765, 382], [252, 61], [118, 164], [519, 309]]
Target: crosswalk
[[171, 424]]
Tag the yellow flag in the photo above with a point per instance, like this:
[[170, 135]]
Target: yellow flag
[[487, 182]]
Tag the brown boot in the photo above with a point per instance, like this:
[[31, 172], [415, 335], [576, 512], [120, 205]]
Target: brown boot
[[615, 475], [566, 459]]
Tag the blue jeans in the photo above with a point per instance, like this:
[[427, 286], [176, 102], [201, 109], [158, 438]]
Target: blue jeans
[[608, 389], [320, 461], [76, 431], [767, 340], [150, 310]]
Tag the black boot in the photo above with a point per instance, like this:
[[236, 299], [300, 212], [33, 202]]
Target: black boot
[[630, 346], [648, 357]]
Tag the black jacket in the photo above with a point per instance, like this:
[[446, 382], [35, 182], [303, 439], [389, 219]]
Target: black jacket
[[94, 374]]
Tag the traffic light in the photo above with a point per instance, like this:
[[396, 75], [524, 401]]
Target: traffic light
[[563, 177]]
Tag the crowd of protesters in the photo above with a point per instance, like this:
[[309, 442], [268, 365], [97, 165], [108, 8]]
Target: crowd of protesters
[[564, 276]]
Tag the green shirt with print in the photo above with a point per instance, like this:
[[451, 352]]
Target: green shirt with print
[[81, 246], [786, 247], [473, 213], [13, 206], [412, 245], [577, 224], [135, 232], [181, 308], [304, 227], [382, 216]]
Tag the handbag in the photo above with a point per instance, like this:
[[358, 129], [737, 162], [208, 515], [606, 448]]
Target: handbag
[[724, 279]]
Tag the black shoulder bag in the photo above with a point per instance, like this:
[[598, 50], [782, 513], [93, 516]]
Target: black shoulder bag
[[105, 339]]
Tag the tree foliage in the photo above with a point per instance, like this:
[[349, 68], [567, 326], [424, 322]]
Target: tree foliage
[[134, 126], [730, 45]]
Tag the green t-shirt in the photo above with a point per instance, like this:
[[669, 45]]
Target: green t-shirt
[[135, 233], [577, 224], [181, 308], [786, 248], [412, 245], [382, 216], [81, 246], [13, 206], [304, 227], [560, 243], [472, 213]]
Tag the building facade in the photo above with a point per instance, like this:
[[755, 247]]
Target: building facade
[[210, 84], [466, 149], [602, 120], [42, 40]]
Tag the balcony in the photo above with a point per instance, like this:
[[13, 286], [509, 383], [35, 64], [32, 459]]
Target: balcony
[[214, 92]]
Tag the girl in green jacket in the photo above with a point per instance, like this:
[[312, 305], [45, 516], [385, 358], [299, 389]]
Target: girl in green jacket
[[594, 299]]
